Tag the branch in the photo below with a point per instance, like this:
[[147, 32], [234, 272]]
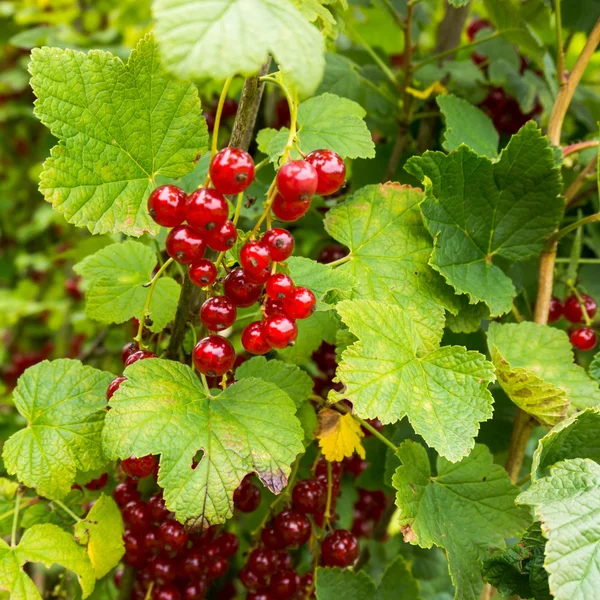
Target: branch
[[580, 181]]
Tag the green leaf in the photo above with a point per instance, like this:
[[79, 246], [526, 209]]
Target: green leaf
[[64, 404], [397, 369], [118, 125], [297, 384], [264, 137], [465, 509], [47, 544], [469, 317], [219, 38], [233, 432], [329, 121], [390, 249], [567, 503], [102, 531], [478, 210], [320, 279], [467, 124], [534, 365], [594, 368], [117, 276], [458, 3]]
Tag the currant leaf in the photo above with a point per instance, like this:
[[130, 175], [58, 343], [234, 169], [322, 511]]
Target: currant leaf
[[339, 435], [479, 211], [465, 509], [119, 125], [167, 402], [64, 404]]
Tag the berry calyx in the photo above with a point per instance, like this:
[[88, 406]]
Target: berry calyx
[[330, 168], [339, 549], [173, 535], [203, 272], [254, 338], [218, 313], [139, 467], [300, 303], [185, 245], [555, 311], [166, 205], [213, 356], [240, 290], [206, 210], [222, 238], [289, 211], [114, 385], [292, 527], [297, 181], [584, 338], [139, 355], [572, 310], [279, 286], [280, 243], [280, 331], [231, 170]]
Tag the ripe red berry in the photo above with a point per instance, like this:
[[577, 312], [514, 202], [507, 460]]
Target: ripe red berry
[[162, 569], [222, 238], [114, 385], [255, 258], [280, 331], [475, 26], [137, 515], [260, 595], [251, 580], [289, 211], [279, 286], [166, 205], [254, 339], [331, 253], [139, 355], [166, 591], [297, 181], [98, 483], [203, 272], [139, 467], [292, 527], [134, 545], [126, 492], [196, 590], [300, 303], [128, 350], [273, 307], [556, 310], [284, 584], [572, 309], [246, 497], [217, 568], [158, 508], [331, 170], [339, 549], [307, 496], [269, 537], [173, 535], [218, 313], [227, 544], [151, 541], [584, 338], [231, 170], [206, 210], [185, 245], [280, 243], [263, 561], [213, 356], [240, 290]]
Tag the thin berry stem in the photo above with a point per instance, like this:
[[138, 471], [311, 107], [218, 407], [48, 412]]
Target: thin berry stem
[[340, 261], [67, 510], [327, 516], [238, 208], [584, 312], [579, 146], [573, 226]]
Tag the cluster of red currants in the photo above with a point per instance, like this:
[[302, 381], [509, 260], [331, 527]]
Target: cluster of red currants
[[582, 338]]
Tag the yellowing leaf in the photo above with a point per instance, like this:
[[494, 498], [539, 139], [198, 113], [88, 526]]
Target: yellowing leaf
[[435, 88], [339, 435]]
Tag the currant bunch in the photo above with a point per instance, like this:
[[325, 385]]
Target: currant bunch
[[576, 309]]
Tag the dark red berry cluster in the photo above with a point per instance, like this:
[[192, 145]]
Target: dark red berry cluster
[[130, 354], [582, 338]]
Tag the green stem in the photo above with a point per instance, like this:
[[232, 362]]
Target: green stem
[[15, 524], [575, 292], [261, 164], [238, 208], [222, 98], [205, 384], [560, 53], [583, 261], [580, 223], [393, 13], [340, 261], [194, 336], [67, 510], [327, 515]]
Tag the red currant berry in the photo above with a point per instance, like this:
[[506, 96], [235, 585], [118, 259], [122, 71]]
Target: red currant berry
[[72, 288], [227, 544], [114, 385], [196, 590], [339, 549], [194, 563], [231, 170], [260, 595], [217, 568], [307, 581], [126, 492], [185, 245], [240, 290], [293, 528], [254, 339], [355, 465], [284, 584], [203, 272], [222, 238], [280, 331], [331, 253], [297, 181], [289, 211], [166, 205], [246, 497], [158, 507], [307, 496], [263, 561], [173, 535], [139, 355], [97, 484], [572, 309], [284, 560], [255, 257], [133, 543], [206, 210], [331, 170], [280, 243], [583, 338], [214, 356], [128, 350], [151, 541], [475, 26], [137, 515], [300, 303], [556, 310], [273, 307], [270, 539], [279, 286], [166, 592], [218, 313], [139, 467], [371, 503], [251, 580]]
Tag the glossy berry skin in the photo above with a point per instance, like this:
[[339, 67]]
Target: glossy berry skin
[[213, 356], [269, 537], [280, 331], [263, 561], [556, 310], [185, 245], [246, 497], [339, 549], [297, 181], [231, 170], [280, 243], [173, 535], [584, 338], [222, 238], [255, 257], [217, 568], [240, 290], [139, 467], [158, 508], [114, 385], [292, 527], [331, 253], [126, 492], [572, 309], [273, 307], [227, 544], [151, 541], [166, 205], [206, 210], [97, 484], [251, 580], [330, 168], [139, 355], [300, 303], [203, 273], [163, 569], [195, 590], [128, 350], [166, 592], [279, 286], [137, 515], [284, 584], [289, 211], [218, 313], [307, 496], [254, 339]]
